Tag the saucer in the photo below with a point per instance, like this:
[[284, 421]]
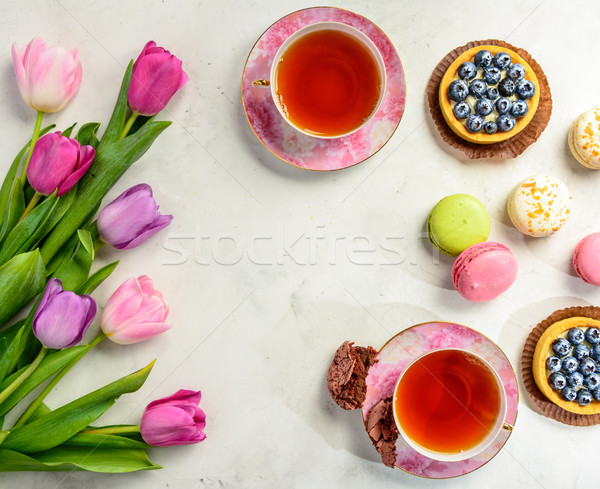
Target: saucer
[[299, 149], [413, 342]]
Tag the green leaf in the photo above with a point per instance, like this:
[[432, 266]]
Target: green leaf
[[21, 279], [14, 209], [67, 132], [74, 272], [29, 231], [42, 410], [96, 279], [64, 422], [100, 440], [9, 352], [117, 120], [51, 364], [87, 241], [68, 459], [87, 134]]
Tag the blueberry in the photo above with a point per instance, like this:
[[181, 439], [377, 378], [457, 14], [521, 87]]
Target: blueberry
[[462, 110], [561, 346], [483, 58], [554, 364], [516, 72], [592, 335], [503, 105], [502, 60], [507, 87], [557, 381], [478, 88], [492, 75], [569, 394], [592, 381], [506, 122], [575, 379], [595, 352], [584, 397], [519, 108], [458, 91], [474, 123], [587, 366], [525, 89], [575, 336], [569, 364], [484, 106], [490, 127], [581, 351], [493, 93], [467, 70], [596, 394]]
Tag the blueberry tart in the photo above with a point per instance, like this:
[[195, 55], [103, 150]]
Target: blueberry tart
[[488, 94]]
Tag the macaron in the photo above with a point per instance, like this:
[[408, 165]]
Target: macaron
[[484, 271], [539, 205], [586, 259], [584, 138], [457, 222]]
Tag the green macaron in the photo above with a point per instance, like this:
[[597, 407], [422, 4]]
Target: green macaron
[[457, 222]]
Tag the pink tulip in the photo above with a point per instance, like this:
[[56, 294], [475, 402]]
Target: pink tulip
[[57, 163], [157, 75], [135, 312], [48, 76], [131, 218], [174, 420], [62, 317]]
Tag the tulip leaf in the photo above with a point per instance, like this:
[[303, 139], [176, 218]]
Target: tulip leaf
[[29, 231], [87, 241], [9, 347], [74, 271], [51, 364], [97, 278], [21, 279], [42, 410], [87, 134], [14, 209], [117, 119], [68, 459], [67, 132], [103, 440], [61, 424]]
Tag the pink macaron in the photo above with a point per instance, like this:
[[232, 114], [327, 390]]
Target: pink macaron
[[586, 259], [483, 271]]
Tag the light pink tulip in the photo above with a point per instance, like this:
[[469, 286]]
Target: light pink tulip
[[157, 75], [48, 76], [174, 420], [57, 163], [135, 312]]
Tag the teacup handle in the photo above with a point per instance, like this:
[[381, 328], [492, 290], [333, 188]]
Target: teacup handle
[[261, 83], [507, 427]]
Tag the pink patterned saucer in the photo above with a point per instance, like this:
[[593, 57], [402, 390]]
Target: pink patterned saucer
[[411, 343], [297, 148]]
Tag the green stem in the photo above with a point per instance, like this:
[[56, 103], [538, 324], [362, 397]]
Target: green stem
[[40, 398], [134, 115], [112, 430], [32, 203], [36, 134], [23, 377]]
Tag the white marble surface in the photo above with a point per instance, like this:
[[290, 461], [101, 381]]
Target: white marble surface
[[256, 325]]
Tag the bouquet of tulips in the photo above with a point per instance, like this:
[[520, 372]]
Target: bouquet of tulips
[[48, 238]]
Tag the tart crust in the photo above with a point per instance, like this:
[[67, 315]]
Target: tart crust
[[481, 137], [543, 350]]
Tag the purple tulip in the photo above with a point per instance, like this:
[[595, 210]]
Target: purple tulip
[[174, 420], [157, 75], [62, 317], [131, 218], [57, 163]]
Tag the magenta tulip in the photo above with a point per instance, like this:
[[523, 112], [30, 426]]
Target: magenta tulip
[[157, 75], [57, 163], [135, 312], [131, 218], [62, 317], [48, 76], [174, 420]]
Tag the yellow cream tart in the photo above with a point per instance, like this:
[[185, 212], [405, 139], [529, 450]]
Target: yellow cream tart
[[488, 94]]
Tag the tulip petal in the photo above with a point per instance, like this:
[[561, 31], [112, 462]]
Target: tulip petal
[[85, 158], [161, 222], [138, 333], [181, 396], [120, 306]]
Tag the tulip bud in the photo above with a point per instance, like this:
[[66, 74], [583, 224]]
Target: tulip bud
[[157, 75], [57, 163], [135, 312], [131, 218], [62, 317], [174, 420], [48, 76]]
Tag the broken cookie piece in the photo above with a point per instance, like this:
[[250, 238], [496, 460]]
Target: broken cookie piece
[[382, 430]]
